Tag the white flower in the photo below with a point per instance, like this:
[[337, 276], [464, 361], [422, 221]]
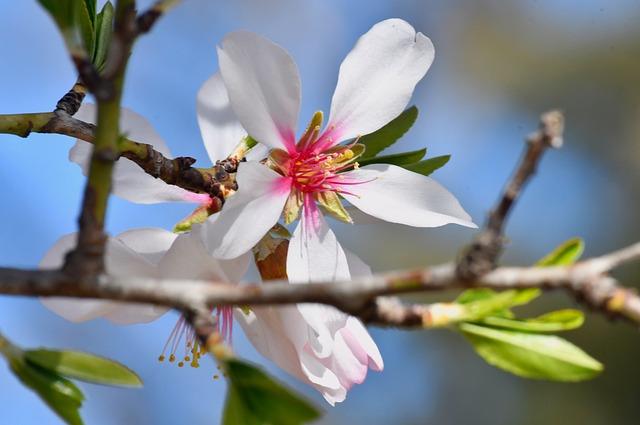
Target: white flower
[[375, 84], [147, 253], [317, 344], [220, 130], [324, 347]]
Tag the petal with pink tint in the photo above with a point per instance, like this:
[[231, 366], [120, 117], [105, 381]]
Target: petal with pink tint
[[377, 78], [264, 87], [314, 252], [249, 214]]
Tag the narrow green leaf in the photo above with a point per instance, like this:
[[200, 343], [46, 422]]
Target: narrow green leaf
[[62, 12], [428, 166], [556, 321], [254, 398], [84, 20], [402, 159], [565, 254], [481, 302], [386, 136], [84, 366], [496, 304], [104, 29], [531, 355], [91, 6], [60, 394]]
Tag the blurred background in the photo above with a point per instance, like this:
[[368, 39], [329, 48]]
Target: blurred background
[[498, 65]]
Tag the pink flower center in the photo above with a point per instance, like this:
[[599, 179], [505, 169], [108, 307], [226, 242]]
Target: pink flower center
[[312, 172]]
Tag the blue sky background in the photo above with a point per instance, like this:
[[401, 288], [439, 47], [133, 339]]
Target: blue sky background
[[498, 65]]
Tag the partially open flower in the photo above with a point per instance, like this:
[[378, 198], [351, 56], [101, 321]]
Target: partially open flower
[[155, 254]]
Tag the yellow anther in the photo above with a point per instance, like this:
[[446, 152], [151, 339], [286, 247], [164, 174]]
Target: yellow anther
[[216, 376], [180, 364], [172, 358], [161, 358], [187, 358]]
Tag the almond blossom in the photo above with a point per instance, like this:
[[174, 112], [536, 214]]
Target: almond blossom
[[151, 253], [220, 132], [317, 171], [282, 334]]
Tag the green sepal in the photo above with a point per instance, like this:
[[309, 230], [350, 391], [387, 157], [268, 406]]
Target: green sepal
[[386, 136], [84, 366], [332, 205], [292, 206], [402, 159], [428, 166], [199, 215]]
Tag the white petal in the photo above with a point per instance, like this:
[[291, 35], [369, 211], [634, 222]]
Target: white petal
[[129, 180], [151, 243], [132, 124], [133, 184], [359, 217], [264, 329], [357, 267], [188, 259], [364, 340], [397, 195], [221, 130], [347, 365], [249, 214], [274, 332], [120, 261], [263, 85], [377, 78], [314, 252], [258, 153]]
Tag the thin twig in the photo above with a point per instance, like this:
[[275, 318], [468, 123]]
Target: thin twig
[[179, 171], [482, 254]]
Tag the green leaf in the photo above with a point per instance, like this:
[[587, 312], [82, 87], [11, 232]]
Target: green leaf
[[531, 355], [556, 321], [74, 21], [84, 366], [253, 398], [402, 159], [62, 11], [104, 29], [481, 302], [386, 136], [428, 166], [566, 254], [84, 21], [91, 6], [60, 394]]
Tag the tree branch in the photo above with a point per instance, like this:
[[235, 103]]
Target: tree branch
[[214, 181], [585, 280], [481, 256]]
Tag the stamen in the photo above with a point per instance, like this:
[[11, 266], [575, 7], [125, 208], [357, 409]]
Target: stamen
[[192, 349]]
